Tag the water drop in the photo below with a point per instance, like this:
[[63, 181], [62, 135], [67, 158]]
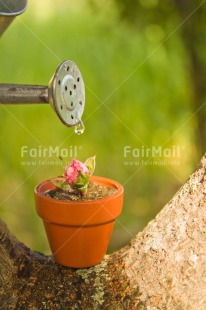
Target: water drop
[[79, 128]]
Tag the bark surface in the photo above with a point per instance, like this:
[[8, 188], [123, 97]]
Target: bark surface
[[163, 267]]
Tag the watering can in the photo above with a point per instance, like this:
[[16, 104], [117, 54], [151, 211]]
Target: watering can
[[65, 92]]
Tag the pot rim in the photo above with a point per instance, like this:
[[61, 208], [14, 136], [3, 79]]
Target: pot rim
[[102, 180], [79, 213]]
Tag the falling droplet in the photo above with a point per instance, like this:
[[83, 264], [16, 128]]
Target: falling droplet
[[79, 128]]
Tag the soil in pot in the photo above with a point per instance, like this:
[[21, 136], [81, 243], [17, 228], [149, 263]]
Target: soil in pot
[[95, 191]]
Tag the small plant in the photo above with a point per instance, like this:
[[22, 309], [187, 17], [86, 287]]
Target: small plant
[[76, 176]]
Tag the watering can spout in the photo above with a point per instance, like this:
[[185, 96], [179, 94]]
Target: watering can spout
[[9, 9], [65, 93]]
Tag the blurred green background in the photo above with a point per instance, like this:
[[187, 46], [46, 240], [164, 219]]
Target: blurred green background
[[142, 64]]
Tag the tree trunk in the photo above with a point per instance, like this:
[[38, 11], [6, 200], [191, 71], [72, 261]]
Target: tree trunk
[[162, 268]]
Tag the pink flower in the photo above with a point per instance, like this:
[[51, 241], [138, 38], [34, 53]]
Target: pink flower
[[71, 172]]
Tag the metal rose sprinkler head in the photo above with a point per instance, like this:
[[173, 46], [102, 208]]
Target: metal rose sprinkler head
[[65, 93]]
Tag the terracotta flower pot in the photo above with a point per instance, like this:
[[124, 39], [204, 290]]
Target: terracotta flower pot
[[79, 231]]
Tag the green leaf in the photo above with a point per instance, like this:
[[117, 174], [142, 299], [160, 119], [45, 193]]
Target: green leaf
[[82, 180], [62, 184], [83, 190], [65, 186], [91, 163], [57, 183]]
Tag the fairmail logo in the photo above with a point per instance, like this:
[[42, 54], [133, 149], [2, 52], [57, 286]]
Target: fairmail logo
[[50, 151], [48, 156], [153, 152]]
